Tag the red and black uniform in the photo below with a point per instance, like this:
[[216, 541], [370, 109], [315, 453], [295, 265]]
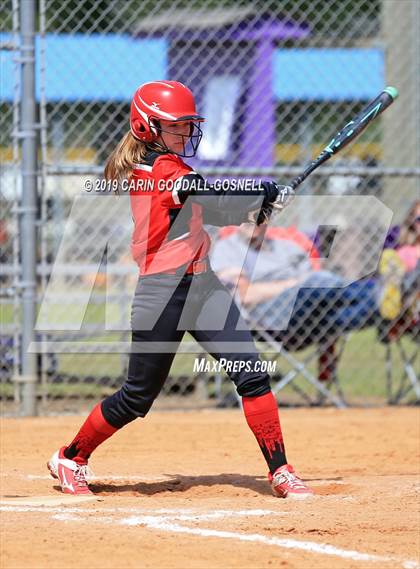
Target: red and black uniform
[[168, 241], [170, 202], [177, 290], [160, 243]]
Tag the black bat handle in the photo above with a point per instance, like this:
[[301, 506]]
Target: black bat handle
[[297, 180]]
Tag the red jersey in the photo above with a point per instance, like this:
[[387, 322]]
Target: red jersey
[[161, 243]]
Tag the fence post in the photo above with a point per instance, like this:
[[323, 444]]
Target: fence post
[[28, 207], [401, 21]]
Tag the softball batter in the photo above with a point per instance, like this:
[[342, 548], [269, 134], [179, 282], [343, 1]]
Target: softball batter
[[177, 290]]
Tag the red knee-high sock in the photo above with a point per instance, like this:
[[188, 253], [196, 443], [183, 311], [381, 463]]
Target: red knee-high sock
[[262, 416], [94, 431]]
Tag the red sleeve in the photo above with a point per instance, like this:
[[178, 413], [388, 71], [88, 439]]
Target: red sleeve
[[167, 169], [300, 239]]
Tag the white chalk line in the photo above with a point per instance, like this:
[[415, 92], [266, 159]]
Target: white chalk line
[[105, 478], [144, 478], [310, 546], [182, 514], [163, 520]]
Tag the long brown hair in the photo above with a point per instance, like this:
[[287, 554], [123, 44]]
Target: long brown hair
[[128, 152]]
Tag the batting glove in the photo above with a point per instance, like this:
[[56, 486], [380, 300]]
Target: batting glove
[[276, 197], [284, 198]]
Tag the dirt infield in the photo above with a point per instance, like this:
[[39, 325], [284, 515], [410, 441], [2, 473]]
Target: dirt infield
[[189, 490]]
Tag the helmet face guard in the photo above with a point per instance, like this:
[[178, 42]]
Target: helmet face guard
[[190, 142], [170, 101]]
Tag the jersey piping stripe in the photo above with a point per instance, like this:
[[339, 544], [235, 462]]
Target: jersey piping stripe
[[181, 236], [143, 167], [177, 187], [175, 196]]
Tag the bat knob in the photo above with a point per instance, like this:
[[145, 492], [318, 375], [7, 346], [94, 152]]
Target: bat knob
[[392, 91]]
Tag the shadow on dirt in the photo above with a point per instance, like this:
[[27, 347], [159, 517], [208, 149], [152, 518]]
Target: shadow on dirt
[[180, 483]]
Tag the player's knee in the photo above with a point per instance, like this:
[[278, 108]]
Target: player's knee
[[122, 407], [254, 386]]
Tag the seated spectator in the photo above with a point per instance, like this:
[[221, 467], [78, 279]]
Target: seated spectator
[[400, 267], [284, 289]]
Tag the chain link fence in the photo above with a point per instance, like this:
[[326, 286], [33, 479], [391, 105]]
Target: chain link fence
[[275, 81]]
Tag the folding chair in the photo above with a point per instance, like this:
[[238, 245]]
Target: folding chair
[[392, 335], [327, 355]]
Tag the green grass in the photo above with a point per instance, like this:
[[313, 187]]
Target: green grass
[[57, 313], [361, 369]]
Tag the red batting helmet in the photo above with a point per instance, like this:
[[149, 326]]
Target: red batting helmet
[[168, 100]]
